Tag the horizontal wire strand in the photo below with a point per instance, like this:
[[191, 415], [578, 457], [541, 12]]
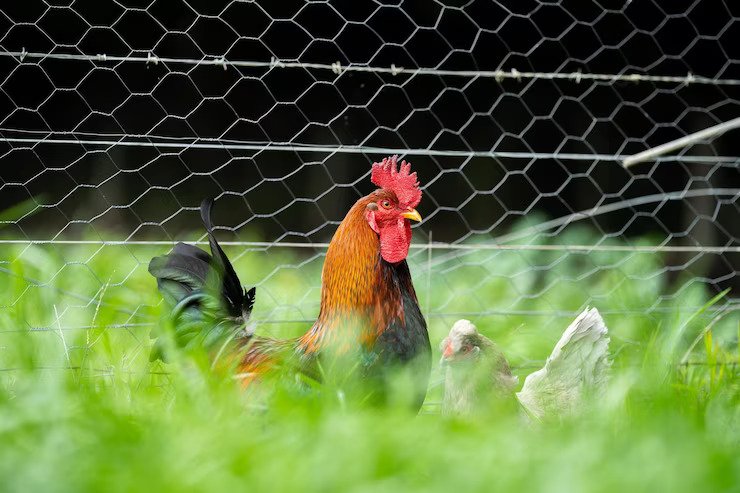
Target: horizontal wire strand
[[415, 246], [342, 149], [337, 68]]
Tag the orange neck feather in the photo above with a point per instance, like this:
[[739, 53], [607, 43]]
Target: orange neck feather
[[353, 292]]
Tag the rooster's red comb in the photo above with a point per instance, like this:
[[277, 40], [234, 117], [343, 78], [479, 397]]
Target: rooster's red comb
[[400, 181]]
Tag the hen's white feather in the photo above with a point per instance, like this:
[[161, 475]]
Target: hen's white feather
[[578, 366]]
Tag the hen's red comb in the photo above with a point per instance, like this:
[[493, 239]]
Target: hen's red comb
[[403, 183]]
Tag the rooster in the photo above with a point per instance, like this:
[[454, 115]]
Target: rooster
[[368, 303], [477, 371]]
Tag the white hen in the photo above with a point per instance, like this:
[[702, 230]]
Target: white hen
[[578, 366]]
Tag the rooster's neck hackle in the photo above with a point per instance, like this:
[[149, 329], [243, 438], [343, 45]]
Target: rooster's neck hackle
[[353, 294]]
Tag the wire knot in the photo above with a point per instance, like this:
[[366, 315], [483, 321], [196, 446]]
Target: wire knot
[[516, 75], [336, 67], [23, 54], [102, 57], [395, 70], [151, 59]]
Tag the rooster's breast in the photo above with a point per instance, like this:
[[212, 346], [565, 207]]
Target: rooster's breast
[[403, 345]]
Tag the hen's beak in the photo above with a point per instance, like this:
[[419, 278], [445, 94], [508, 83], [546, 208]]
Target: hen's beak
[[447, 354], [411, 214]]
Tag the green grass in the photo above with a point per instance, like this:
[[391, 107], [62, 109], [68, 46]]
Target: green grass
[[82, 409]]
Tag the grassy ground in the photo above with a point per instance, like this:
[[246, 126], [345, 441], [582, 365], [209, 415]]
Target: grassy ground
[[82, 409]]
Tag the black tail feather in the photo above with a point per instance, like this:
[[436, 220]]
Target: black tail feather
[[191, 251], [202, 287], [185, 269], [232, 291], [249, 296]]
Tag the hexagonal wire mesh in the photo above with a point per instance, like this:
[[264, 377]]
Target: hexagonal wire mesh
[[117, 119]]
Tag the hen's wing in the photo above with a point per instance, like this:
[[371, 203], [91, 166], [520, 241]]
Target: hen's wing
[[578, 365]]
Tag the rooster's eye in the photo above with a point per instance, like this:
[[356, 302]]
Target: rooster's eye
[[386, 204]]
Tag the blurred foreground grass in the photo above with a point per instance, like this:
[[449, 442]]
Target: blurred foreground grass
[[82, 409]]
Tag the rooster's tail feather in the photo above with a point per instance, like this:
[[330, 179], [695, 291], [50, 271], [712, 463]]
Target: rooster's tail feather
[[205, 293]]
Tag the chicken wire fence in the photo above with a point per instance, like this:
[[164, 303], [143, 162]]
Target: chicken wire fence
[[118, 118]]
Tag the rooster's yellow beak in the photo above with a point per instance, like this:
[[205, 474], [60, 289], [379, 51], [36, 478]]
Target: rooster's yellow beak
[[411, 214]]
